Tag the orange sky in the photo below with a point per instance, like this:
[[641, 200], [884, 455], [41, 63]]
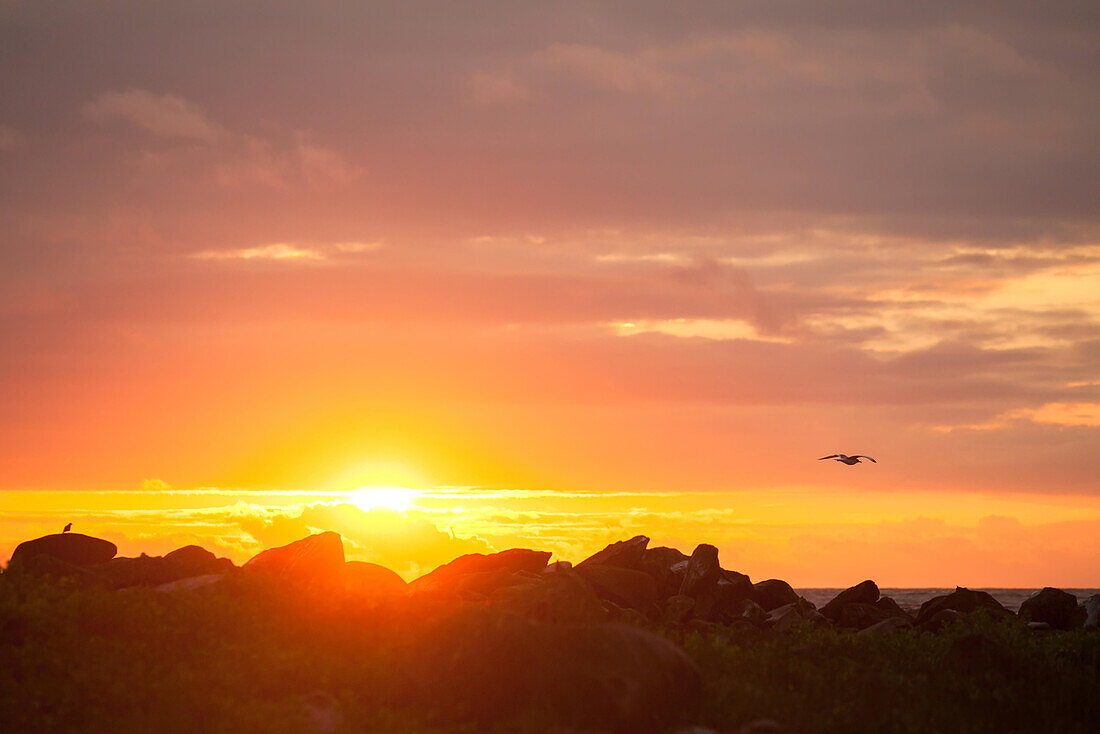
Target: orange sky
[[660, 258]]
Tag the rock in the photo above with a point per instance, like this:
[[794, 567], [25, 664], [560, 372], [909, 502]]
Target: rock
[[890, 606], [123, 573], [370, 579], [1038, 626], [626, 587], [860, 616], [960, 600], [510, 561], [702, 571], [607, 677], [1092, 611], [783, 618], [563, 598], [1055, 607], [485, 583], [677, 609], [865, 592], [318, 558], [190, 583], [55, 568], [557, 566], [194, 560], [773, 593], [658, 563], [748, 610], [939, 620], [624, 553], [890, 624], [72, 548]]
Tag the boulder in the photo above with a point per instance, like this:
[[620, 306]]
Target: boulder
[[939, 620], [484, 583], [658, 563], [748, 610], [702, 571], [509, 561], [123, 573], [960, 600], [865, 592], [483, 670], [563, 598], [1092, 612], [194, 560], [1055, 607], [74, 549], [677, 609], [860, 616], [624, 586], [624, 553], [317, 558], [557, 566], [55, 568], [773, 593], [783, 618], [890, 624], [191, 583], [370, 579], [890, 606]]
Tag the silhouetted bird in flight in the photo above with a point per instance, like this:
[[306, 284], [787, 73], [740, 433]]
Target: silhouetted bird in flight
[[849, 460], [68, 528]]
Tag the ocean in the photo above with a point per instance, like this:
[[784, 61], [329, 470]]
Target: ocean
[[911, 599]]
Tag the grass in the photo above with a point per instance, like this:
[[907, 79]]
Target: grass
[[239, 658]]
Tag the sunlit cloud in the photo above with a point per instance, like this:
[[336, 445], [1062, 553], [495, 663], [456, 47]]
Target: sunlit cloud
[[164, 115], [1059, 414], [716, 329], [274, 251]]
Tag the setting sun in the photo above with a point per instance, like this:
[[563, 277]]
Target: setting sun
[[390, 498]]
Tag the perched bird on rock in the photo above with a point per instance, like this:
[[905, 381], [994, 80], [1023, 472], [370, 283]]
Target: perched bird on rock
[[849, 460], [68, 528]]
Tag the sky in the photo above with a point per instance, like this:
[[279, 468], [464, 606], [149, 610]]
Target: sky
[[572, 271]]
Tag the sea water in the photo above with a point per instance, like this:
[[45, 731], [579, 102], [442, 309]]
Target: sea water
[[911, 599]]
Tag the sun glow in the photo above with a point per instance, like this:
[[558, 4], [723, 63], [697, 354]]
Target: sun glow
[[390, 498]]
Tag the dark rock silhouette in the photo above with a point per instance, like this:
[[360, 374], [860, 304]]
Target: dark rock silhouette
[[623, 586], [1055, 607], [194, 560], [960, 600], [67, 528], [504, 563], [562, 597], [939, 619], [658, 563], [317, 558], [702, 571], [890, 624], [773, 593], [483, 666], [675, 610], [865, 592], [1092, 611], [72, 548], [624, 553]]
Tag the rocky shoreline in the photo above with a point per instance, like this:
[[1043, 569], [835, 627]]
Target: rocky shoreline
[[596, 642]]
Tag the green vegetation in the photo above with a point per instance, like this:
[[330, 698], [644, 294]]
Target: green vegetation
[[978, 675], [241, 656]]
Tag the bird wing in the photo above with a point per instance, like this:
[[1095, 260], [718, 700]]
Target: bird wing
[[833, 456], [861, 456]]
